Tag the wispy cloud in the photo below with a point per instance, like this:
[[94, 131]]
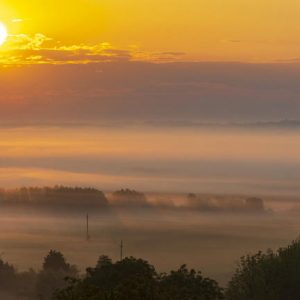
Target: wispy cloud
[[17, 20], [41, 49]]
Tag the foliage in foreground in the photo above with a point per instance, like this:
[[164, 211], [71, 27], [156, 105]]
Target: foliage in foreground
[[33, 285], [268, 276], [263, 276], [135, 279]]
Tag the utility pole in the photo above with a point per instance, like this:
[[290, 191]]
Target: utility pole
[[121, 250], [87, 228]]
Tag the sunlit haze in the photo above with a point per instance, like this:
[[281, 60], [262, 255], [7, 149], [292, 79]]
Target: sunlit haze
[[166, 130], [3, 33]]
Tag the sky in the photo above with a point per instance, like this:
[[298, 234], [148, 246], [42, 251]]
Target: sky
[[194, 30], [142, 76], [160, 96], [216, 61]]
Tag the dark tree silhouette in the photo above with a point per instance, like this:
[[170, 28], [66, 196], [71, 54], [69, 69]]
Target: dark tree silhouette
[[52, 276], [267, 276], [8, 276], [103, 261], [66, 198], [55, 261], [14, 285], [187, 284], [136, 279]]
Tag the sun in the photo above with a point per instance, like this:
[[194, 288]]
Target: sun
[[3, 33]]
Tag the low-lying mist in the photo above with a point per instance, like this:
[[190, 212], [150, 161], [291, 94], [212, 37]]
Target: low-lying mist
[[207, 232], [209, 159]]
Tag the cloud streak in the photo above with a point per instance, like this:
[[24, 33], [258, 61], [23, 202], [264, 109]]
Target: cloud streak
[[23, 49]]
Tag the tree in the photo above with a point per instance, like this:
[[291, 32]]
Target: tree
[[129, 279], [15, 285], [267, 276], [52, 277], [103, 261], [136, 279], [55, 261], [130, 199], [185, 284], [8, 276]]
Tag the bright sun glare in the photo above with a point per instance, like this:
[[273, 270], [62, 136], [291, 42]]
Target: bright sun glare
[[3, 33]]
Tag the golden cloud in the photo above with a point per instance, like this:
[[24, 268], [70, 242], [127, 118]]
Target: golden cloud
[[39, 49]]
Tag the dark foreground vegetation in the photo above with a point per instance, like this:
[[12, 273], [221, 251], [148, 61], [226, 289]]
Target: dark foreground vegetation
[[263, 276]]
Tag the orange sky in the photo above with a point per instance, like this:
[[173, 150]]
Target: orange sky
[[72, 69], [217, 30]]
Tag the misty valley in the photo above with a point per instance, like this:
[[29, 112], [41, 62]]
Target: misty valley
[[206, 232], [149, 150]]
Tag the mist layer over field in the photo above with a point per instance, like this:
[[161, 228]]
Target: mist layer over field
[[167, 233], [166, 158], [209, 233]]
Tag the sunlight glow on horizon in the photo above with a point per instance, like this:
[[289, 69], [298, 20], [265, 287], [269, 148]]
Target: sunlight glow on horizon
[[234, 30], [3, 34]]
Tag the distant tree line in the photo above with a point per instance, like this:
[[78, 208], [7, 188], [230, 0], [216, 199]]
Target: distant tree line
[[207, 204], [129, 198], [54, 197], [77, 198], [262, 276]]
